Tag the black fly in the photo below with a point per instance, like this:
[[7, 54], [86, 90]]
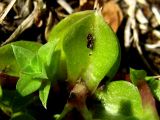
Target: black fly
[[90, 41]]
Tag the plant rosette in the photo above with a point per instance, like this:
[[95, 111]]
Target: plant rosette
[[81, 50]]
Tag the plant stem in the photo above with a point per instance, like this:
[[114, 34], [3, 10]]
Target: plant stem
[[67, 109], [86, 113], [77, 99]]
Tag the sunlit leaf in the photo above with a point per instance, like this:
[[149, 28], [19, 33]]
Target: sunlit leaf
[[155, 87], [136, 75], [27, 85], [23, 56], [59, 30], [8, 62], [58, 33], [49, 58], [89, 48], [35, 68], [31, 76], [44, 92], [120, 101], [149, 114]]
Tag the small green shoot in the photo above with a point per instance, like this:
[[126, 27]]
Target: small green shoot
[[82, 49], [136, 75]]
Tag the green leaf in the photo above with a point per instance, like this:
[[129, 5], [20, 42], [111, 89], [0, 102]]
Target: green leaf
[[58, 33], [89, 48], [23, 56], [59, 30], [22, 116], [155, 88], [50, 58], [154, 85], [149, 114], [119, 101], [149, 78], [8, 62], [44, 92], [1, 92], [136, 75], [92, 50], [27, 85], [35, 68]]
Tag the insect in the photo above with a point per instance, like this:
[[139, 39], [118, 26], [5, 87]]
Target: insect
[[90, 41]]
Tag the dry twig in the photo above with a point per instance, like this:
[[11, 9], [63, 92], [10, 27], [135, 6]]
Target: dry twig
[[66, 6], [6, 11], [156, 13], [28, 22], [132, 26]]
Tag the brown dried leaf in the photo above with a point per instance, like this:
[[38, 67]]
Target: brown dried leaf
[[86, 5], [2, 7], [82, 2], [112, 14]]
